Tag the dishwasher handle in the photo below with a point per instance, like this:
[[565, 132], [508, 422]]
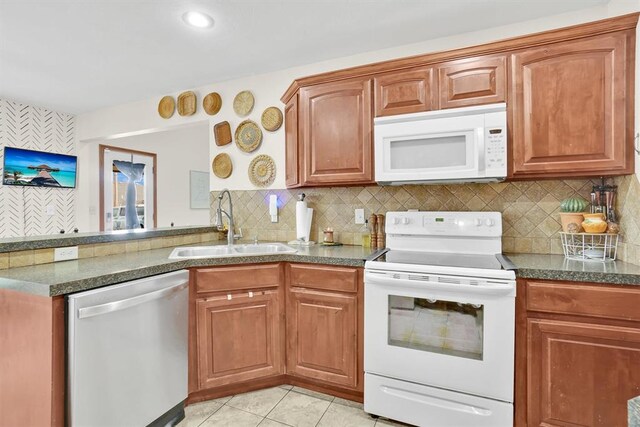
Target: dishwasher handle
[[109, 307]]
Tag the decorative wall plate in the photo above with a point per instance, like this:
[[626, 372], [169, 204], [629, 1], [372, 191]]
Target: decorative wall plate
[[248, 136], [166, 107], [222, 166], [272, 119], [262, 171], [243, 103], [187, 103], [212, 103], [222, 133]]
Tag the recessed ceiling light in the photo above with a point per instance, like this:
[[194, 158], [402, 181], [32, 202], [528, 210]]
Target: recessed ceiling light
[[198, 19]]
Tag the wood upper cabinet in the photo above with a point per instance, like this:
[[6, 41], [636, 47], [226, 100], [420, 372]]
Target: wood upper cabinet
[[403, 92], [324, 327], [577, 353], [238, 337], [474, 81], [571, 108], [336, 133], [292, 168]]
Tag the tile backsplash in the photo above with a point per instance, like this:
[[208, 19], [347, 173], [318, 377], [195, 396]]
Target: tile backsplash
[[530, 209], [628, 209]]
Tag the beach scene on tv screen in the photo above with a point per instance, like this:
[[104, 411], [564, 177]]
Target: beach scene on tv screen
[[39, 169]]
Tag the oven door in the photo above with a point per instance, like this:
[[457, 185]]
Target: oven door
[[432, 149], [441, 331]]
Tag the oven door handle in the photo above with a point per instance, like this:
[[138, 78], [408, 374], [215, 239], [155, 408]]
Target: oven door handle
[[427, 285]]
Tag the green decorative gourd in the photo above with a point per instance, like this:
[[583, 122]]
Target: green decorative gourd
[[573, 204]]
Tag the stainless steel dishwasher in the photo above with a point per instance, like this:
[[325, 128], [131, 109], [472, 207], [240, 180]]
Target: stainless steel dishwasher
[[127, 358]]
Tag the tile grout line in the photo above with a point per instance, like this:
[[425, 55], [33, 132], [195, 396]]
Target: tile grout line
[[325, 411], [274, 406], [211, 415]]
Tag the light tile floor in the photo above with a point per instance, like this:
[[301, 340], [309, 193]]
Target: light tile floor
[[280, 407]]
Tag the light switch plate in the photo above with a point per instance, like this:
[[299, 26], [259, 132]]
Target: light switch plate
[[359, 216], [65, 254]]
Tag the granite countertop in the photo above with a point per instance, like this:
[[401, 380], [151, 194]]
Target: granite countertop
[[73, 239], [557, 267], [66, 277], [73, 276]]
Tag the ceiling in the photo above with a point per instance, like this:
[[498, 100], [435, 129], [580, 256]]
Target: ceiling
[[76, 56]]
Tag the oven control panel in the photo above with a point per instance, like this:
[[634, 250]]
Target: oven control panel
[[487, 224]]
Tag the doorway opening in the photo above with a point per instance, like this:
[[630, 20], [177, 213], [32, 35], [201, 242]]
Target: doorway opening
[[128, 198]]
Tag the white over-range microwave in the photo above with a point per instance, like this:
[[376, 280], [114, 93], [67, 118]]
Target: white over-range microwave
[[456, 145]]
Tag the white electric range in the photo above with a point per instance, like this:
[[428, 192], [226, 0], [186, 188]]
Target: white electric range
[[439, 322]]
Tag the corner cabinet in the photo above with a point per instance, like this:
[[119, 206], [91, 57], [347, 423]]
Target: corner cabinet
[[577, 353], [261, 325], [571, 108], [334, 135]]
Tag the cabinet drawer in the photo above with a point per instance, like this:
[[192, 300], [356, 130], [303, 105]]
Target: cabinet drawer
[[341, 279], [582, 299], [237, 277]]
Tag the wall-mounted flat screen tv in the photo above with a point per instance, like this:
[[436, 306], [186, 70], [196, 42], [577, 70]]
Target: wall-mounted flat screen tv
[[38, 168]]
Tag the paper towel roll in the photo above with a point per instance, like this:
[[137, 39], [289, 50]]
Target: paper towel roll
[[301, 219], [307, 229]]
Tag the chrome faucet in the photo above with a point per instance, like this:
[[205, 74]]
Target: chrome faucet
[[220, 211]]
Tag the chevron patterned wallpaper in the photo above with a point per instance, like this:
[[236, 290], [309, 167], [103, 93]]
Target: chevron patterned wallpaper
[[23, 210]]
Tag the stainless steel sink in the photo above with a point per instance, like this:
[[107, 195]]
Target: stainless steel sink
[[230, 251]]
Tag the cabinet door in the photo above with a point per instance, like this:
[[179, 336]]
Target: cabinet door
[[239, 338], [292, 167], [475, 81], [322, 337], [571, 108], [405, 92], [581, 374], [336, 121]]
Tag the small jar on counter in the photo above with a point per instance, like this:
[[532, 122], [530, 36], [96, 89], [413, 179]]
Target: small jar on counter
[[328, 235]]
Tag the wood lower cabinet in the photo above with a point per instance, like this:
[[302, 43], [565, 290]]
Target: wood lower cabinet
[[260, 325], [403, 92], [325, 324], [236, 325], [474, 81], [335, 130], [571, 108], [581, 374], [322, 336], [577, 353], [239, 337]]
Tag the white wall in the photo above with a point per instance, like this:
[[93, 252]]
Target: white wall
[[142, 116], [23, 210], [178, 152]]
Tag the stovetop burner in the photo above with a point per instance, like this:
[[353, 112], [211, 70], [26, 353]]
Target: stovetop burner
[[426, 259]]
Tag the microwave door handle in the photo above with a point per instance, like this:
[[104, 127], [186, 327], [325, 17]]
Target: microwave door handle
[[480, 157], [489, 290]]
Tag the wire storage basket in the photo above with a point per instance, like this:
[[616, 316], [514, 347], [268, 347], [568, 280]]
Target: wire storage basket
[[590, 246]]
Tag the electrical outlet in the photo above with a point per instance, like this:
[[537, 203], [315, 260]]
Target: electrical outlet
[[65, 254], [359, 216], [51, 210]]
